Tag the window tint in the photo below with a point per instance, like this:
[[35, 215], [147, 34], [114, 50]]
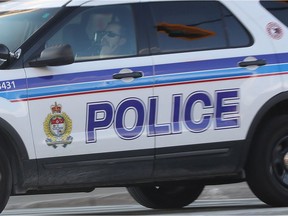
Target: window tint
[[278, 8], [196, 25], [99, 32], [237, 35]]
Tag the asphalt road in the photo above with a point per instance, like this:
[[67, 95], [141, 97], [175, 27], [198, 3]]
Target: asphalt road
[[251, 206], [117, 196], [234, 199]]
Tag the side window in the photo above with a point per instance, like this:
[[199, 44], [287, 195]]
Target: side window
[[237, 35], [278, 8], [99, 32], [196, 25]]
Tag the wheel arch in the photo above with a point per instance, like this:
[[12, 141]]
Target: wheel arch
[[13, 146], [278, 105]]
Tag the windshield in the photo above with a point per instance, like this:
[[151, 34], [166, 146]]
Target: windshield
[[17, 26]]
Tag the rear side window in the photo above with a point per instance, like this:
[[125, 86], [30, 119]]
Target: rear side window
[[196, 25], [278, 8]]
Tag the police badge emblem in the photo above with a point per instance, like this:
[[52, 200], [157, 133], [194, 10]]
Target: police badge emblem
[[58, 127]]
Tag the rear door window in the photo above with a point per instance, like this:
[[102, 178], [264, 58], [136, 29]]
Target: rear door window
[[196, 25]]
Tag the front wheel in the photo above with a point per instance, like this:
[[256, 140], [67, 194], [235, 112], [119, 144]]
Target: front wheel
[[166, 195], [267, 168], [5, 180]]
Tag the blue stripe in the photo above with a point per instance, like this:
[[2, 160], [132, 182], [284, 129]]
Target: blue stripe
[[282, 58], [84, 82], [209, 64], [148, 81], [218, 74], [14, 95], [91, 76], [81, 77], [20, 84], [89, 87], [19, 92]]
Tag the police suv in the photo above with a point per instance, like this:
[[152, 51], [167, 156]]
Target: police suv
[[162, 97]]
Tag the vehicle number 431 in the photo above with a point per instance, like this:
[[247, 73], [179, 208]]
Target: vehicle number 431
[[7, 85]]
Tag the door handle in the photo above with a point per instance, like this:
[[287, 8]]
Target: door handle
[[259, 62], [134, 74]]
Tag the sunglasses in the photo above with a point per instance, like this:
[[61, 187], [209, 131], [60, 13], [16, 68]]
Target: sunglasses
[[112, 34]]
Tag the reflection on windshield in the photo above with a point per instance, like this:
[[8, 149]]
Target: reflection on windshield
[[17, 26], [184, 31]]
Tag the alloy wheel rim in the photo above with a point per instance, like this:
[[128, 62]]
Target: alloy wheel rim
[[280, 161]]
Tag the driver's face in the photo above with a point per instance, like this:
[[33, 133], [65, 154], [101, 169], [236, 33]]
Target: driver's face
[[113, 36]]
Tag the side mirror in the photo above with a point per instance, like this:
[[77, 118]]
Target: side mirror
[[54, 56], [4, 52]]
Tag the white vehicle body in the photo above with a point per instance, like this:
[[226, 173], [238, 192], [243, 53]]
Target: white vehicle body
[[163, 113]]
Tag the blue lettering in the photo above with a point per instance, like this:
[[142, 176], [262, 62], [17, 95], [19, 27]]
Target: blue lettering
[[100, 116], [227, 110], [155, 129], [137, 106], [202, 124], [197, 114], [176, 110]]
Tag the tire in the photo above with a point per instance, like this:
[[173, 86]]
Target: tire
[[5, 180], [267, 167], [166, 196]]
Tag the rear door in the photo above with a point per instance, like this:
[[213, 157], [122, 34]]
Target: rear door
[[88, 118], [210, 68]]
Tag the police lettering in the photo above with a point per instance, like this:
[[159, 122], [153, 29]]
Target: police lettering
[[223, 113]]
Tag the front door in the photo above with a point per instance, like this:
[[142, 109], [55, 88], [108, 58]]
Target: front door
[[88, 118]]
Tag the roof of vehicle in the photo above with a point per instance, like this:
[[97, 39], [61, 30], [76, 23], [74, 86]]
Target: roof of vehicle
[[32, 4]]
